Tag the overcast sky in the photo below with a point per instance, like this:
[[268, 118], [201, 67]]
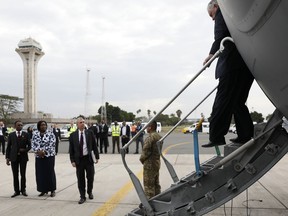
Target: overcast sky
[[147, 51]]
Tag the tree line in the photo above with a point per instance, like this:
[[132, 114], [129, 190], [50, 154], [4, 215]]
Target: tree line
[[11, 104]]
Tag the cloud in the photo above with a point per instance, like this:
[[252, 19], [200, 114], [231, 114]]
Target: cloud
[[146, 50]]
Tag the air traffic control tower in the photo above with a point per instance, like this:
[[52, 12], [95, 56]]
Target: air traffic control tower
[[30, 52]]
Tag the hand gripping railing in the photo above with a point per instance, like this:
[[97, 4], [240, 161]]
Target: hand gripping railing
[[146, 206]]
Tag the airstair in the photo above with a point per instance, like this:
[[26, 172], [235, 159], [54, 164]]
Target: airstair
[[219, 179]]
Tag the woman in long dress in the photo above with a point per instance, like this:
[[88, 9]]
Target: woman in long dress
[[43, 144]]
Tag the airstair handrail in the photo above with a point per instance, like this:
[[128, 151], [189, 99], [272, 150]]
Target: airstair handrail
[[137, 185], [170, 168], [178, 123], [183, 89]]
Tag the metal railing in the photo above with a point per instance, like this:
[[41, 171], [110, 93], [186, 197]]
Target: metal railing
[[138, 187]]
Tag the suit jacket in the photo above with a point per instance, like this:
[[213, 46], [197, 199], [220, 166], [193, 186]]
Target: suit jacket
[[127, 131], [74, 146], [14, 145], [103, 130], [4, 130], [230, 59]]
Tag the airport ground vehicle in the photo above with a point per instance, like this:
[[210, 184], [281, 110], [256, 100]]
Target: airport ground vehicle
[[34, 126], [191, 128], [64, 133], [232, 129], [159, 126]]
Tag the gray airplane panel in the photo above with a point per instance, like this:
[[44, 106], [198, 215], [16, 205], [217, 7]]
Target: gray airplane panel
[[259, 29]]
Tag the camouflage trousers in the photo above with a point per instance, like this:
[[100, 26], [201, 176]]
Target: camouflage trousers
[[151, 182]]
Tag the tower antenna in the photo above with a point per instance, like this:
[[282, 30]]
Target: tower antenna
[[87, 92], [103, 108]]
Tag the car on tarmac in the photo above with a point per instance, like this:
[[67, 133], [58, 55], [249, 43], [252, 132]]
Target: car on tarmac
[[64, 133], [34, 126], [232, 129], [191, 128], [159, 126]]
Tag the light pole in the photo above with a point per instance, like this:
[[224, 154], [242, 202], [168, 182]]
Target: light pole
[[86, 93]]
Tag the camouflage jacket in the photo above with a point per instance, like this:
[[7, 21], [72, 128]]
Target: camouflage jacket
[[150, 153]]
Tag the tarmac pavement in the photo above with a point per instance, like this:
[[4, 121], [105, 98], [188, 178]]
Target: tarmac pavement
[[114, 194]]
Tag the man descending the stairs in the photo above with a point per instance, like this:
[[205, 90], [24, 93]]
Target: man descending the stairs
[[235, 81]]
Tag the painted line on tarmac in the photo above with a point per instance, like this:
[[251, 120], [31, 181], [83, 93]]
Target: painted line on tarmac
[[114, 201], [165, 151]]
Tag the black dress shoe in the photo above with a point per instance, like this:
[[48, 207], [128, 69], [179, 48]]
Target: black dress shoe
[[211, 144], [82, 200], [42, 194], [15, 194], [90, 195], [53, 194], [24, 193]]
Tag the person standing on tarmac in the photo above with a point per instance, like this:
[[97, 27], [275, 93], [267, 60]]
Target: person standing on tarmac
[[72, 128], [125, 135], [18, 146], [150, 158], [3, 131], [115, 136], [103, 137], [139, 138]]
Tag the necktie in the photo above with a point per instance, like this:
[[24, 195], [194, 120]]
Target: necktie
[[81, 144], [18, 134]]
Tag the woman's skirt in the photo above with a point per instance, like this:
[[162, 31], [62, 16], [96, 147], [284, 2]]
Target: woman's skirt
[[45, 174]]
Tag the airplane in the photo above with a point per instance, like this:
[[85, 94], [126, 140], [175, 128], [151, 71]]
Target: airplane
[[258, 29]]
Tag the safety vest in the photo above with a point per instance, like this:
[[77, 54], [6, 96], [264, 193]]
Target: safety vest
[[72, 129], [115, 130], [10, 130]]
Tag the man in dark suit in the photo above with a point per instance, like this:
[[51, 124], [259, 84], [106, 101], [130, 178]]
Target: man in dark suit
[[56, 131], [17, 153], [3, 131], [235, 81], [81, 144], [125, 134], [103, 137]]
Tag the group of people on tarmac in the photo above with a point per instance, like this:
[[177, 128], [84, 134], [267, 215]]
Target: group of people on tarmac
[[235, 81], [125, 132], [83, 152]]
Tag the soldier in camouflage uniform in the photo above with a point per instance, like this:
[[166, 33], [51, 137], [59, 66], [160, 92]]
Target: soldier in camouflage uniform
[[150, 158]]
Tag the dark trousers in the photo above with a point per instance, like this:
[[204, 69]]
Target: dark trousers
[[15, 170], [85, 166], [231, 96], [125, 140], [116, 140], [104, 143], [2, 142], [56, 146], [97, 140], [139, 139]]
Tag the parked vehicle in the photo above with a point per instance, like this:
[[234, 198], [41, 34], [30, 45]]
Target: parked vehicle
[[232, 129], [34, 126], [64, 133], [203, 129], [159, 126]]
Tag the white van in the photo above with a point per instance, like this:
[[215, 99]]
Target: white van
[[159, 126], [204, 129]]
